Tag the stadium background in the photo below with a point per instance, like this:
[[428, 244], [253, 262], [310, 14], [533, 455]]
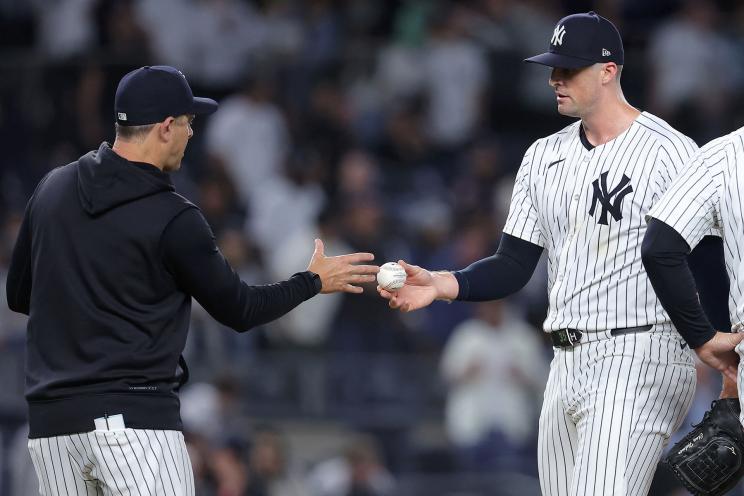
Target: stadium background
[[391, 126]]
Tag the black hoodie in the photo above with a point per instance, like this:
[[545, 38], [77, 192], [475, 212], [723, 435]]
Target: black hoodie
[[106, 262]]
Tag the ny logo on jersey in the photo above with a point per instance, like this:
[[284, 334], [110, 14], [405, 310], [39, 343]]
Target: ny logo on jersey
[[558, 33], [604, 197]]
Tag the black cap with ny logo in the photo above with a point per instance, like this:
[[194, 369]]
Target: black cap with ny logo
[[580, 40]]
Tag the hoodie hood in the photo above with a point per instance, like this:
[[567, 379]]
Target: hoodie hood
[[106, 180]]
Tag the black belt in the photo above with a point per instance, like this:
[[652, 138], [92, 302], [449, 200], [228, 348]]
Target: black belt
[[564, 338]]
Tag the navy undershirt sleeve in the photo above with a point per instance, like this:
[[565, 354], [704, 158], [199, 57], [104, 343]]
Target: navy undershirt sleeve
[[664, 253], [199, 269], [709, 269], [501, 274]]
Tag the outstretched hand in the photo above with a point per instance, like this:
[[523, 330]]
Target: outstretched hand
[[339, 273], [719, 353], [419, 290]]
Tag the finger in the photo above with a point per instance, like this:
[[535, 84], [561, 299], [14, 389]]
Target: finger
[[364, 269], [356, 257], [394, 302], [736, 337], [359, 278], [385, 294], [350, 288], [319, 248], [730, 372]]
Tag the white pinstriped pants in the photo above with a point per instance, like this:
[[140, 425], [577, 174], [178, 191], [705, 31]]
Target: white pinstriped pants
[[116, 462], [610, 405]]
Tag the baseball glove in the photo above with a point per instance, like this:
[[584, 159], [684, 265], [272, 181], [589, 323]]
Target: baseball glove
[[708, 461]]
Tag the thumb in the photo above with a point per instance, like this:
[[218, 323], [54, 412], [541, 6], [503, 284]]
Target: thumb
[[735, 337], [410, 269], [318, 248]]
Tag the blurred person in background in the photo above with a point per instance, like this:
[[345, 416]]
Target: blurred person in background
[[695, 70], [104, 357], [494, 368], [359, 471], [268, 467]]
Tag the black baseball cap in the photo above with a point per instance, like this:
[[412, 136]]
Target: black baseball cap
[[580, 40], [151, 93]]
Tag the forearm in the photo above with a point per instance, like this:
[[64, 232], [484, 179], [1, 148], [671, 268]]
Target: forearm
[[664, 254], [499, 275], [200, 270]]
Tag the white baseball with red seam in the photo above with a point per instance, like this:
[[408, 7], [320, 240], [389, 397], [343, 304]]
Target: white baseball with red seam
[[391, 276]]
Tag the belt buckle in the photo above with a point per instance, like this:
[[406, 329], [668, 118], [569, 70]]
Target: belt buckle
[[573, 336]]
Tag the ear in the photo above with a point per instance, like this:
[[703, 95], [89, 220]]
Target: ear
[[609, 72], [166, 128]]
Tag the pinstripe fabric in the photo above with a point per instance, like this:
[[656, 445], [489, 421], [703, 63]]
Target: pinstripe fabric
[[117, 462], [708, 196], [596, 279], [611, 403], [609, 409]]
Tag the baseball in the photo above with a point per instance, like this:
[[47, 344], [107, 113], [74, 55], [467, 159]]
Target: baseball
[[391, 276]]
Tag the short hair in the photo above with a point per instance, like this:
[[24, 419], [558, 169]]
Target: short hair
[[133, 133]]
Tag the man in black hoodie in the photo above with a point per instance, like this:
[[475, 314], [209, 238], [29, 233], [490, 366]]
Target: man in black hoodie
[[107, 260]]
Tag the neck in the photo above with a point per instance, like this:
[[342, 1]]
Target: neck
[[608, 120], [137, 152]]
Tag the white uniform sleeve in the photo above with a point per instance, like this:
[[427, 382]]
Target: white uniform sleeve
[[690, 206], [674, 157], [523, 221]]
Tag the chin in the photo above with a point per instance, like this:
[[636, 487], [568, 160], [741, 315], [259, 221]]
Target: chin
[[568, 112]]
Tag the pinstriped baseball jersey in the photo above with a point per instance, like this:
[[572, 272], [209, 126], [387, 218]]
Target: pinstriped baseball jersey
[[707, 196], [587, 208]]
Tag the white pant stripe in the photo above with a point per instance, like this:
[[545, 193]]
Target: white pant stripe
[[610, 406], [110, 463]]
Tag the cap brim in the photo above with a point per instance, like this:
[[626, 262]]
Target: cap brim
[[204, 106], [557, 60]]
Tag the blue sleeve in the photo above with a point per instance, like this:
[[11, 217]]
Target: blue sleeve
[[664, 253], [709, 269], [501, 274]]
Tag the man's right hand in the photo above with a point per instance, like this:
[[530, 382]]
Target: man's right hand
[[340, 273], [421, 288], [719, 353]]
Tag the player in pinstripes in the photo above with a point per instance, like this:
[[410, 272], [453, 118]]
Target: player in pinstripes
[[707, 196], [621, 379], [106, 263]]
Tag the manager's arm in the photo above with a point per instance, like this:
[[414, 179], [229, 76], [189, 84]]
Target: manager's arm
[[199, 269]]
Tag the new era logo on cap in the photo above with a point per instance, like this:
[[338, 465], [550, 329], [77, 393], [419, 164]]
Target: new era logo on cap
[[122, 116], [606, 53]]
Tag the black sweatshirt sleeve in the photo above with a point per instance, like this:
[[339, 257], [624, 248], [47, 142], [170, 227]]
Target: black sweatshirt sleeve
[[18, 284], [192, 257], [501, 274], [708, 266], [664, 253]]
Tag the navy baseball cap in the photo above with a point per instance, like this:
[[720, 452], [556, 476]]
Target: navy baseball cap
[[580, 40], [150, 94]]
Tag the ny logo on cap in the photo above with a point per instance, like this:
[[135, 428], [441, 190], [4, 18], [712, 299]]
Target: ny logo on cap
[[558, 33]]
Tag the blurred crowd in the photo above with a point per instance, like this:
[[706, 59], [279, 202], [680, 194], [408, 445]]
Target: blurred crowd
[[389, 126]]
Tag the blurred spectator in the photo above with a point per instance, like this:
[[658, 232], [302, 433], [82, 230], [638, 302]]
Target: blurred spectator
[[248, 137], [269, 473], [495, 371], [66, 27], [694, 71], [359, 472], [455, 71]]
